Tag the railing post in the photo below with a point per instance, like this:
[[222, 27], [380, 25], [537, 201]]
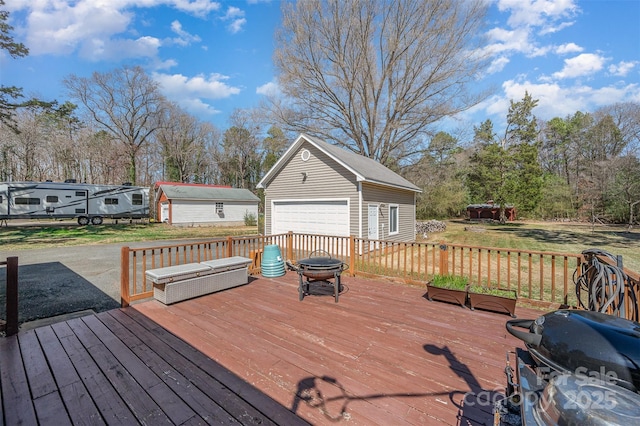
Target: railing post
[[352, 255], [12, 296], [444, 259], [290, 246], [229, 246], [124, 277]]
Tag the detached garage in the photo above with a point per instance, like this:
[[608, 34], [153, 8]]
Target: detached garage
[[319, 188], [183, 204]]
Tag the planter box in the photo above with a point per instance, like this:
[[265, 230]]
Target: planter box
[[493, 303], [447, 295]]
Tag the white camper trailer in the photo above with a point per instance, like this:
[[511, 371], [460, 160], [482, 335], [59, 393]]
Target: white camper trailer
[[69, 200]]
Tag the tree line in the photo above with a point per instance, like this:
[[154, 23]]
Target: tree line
[[583, 166], [372, 76]]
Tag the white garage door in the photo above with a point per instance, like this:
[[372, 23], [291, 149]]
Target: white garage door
[[311, 217]]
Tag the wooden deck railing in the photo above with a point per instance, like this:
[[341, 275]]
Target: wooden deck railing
[[545, 278], [11, 324], [536, 276]]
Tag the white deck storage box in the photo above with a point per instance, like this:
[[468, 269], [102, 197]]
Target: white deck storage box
[[198, 279], [227, 264], [169, 274]]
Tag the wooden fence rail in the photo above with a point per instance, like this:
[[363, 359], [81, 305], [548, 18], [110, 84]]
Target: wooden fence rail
[[545, 278]]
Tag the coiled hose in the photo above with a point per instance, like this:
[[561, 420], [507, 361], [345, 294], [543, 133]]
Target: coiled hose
[[605, 285]]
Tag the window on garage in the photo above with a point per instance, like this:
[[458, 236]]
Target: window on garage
[[393, 219]]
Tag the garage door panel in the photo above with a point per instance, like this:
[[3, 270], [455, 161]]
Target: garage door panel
[[311, 217]]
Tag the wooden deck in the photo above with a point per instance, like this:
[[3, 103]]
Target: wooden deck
[[256, 355]]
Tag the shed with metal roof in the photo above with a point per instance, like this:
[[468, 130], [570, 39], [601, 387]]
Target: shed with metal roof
[[204, 205]]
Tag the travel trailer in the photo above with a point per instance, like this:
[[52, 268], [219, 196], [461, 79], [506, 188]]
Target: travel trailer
[[70, 200]]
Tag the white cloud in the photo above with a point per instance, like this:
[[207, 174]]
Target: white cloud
[[622, 68], [581, 65], [208, 87], [195, 7], [192, 93], [563, 49], [537, 12], [60, 28], [497, 65], [236, 16], [197, 106], [236, 25], [555, 100], [184, 38], [117, 49], [504, 40], [65, 27], [550, 29], [164, 65], [233, 12], [526, 20], [268, 89]]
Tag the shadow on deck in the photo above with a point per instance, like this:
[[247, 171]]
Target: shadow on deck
[[256, 355]]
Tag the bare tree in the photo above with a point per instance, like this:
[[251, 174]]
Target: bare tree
[[626, 117], [239, 156], [28, 147], [625, 186], [373, 75], [125, 102], [184, 141]]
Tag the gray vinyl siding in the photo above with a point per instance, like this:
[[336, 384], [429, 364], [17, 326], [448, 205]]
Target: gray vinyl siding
[[326, 179], [374, 194]]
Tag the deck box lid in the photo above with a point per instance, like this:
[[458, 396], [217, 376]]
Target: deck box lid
[[227, 263], [170, 274]]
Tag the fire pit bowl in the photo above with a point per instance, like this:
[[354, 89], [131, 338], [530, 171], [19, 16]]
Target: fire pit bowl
[[319, 268]]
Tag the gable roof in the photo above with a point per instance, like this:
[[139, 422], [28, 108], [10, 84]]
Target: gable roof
[[365, 169], [207, 192]]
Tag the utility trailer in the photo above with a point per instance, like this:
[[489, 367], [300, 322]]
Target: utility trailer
[[84, 202]]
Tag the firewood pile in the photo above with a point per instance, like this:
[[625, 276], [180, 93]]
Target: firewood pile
[[430, 226]]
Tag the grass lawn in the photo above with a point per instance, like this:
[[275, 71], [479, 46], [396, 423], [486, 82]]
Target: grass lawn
[[34, 235], [559, 237]]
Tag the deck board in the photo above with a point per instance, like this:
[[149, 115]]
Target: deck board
[[255, 354], [17, 409], [383, 355], [106, 398]]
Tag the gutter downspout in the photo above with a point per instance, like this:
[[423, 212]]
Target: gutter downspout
[[360, 203]]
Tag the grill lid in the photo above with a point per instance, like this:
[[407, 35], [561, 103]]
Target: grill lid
[[575, 400], [584, 343]]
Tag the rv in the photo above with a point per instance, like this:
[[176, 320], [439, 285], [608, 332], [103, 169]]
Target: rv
[[69, 200]]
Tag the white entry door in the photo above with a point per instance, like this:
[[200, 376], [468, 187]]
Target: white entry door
[[164, 212], [373, 233]]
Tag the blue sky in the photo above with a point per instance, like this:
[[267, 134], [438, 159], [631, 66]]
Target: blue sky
[[211, 57]]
